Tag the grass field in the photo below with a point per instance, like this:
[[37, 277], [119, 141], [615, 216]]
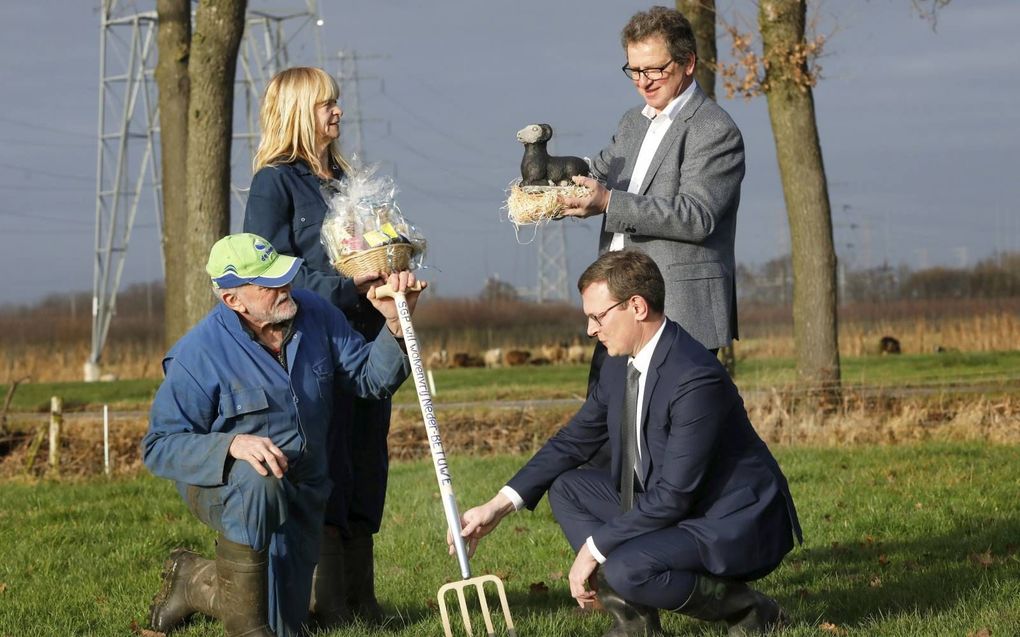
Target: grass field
[[906, 540], [952, 369]]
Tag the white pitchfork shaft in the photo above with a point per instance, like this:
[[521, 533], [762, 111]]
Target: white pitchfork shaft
[[431, 427]]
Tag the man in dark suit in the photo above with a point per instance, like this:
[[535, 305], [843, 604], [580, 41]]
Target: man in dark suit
[[693, 506]]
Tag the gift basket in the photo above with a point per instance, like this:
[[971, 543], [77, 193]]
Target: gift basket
[[364, 230]]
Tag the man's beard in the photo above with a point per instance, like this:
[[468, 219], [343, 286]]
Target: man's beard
[[284, 310]]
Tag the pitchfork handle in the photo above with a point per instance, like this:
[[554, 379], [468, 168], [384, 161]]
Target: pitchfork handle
[[439, 462]]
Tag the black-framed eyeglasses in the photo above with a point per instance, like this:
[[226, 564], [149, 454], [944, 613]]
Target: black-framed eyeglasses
[[601, 315], [651, 73]]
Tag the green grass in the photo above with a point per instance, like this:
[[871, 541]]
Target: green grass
[[570, 381], [913, 540]]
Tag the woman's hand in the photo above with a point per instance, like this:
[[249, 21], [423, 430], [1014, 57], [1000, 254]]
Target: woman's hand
[[367, 280]]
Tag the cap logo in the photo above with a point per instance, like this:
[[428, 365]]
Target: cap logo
[[265, 249]]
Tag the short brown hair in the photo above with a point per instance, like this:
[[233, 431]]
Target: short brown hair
[[627, 273], [671, 25]]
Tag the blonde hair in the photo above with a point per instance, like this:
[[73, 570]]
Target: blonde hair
[[287, 118]]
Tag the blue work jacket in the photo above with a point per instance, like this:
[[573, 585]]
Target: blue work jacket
[[220, 382]]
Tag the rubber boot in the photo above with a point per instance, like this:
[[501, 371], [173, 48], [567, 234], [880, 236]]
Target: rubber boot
[[189, 587], [629, 619], [360, 568], [242, 577], [328, 608], [745, 610]]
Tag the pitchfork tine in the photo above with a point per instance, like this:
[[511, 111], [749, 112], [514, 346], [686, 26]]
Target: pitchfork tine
[[464, 612], [479, 586]]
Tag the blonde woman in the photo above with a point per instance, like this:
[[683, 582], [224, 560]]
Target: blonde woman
[[297, 159]]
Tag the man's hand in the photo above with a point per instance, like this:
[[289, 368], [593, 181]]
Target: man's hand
[[582, 578], [260, 453], [364, 282], [400, 282], [584, 207], [478, 522]]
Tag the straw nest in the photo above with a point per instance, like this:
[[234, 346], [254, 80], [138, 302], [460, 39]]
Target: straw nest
[[535, 204]]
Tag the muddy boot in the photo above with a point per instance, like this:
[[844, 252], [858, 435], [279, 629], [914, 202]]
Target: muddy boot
[[328, 608], [360, 569], [629, 619], [745, 610], [242, 576], [189, 587]]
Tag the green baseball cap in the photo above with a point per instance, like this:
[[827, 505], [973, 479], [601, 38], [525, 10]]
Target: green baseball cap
[[243, 258]]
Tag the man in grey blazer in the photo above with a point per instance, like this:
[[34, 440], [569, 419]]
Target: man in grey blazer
[[672, 179]]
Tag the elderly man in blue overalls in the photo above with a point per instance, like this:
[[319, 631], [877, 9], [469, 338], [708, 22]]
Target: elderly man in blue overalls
[[240, 425]]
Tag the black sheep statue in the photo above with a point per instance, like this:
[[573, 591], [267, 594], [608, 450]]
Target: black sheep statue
[[538, 168]]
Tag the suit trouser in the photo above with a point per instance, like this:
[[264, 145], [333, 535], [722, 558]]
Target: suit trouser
[[284, 514], [656, 569]]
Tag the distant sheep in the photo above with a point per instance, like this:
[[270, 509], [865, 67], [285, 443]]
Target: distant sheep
[[517, 357], [889, 345], [463, 359], [577, 354], [438, 360], [554, 353], [493, 357]]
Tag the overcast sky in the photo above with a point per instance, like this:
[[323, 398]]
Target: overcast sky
[[920, 130]]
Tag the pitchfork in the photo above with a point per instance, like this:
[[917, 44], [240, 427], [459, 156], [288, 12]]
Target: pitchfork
[[446, 490]]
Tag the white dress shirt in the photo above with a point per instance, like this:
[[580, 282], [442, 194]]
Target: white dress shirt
[[661, 122]]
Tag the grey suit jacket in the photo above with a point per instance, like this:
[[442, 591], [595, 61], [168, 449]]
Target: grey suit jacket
[[685, 216]]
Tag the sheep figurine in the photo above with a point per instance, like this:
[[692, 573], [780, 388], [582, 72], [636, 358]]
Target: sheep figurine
[[538, 168]]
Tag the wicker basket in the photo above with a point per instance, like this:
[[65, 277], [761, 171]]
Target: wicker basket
[[385, 259]]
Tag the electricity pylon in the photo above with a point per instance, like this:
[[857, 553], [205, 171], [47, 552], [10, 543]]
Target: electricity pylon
[[128, 178]]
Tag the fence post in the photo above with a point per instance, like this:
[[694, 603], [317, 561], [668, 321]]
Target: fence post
[[106, 440], [56, 424]]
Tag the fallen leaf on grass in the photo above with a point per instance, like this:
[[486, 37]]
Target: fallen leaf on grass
[[3, 588], [831, 628], [883, 560], [984, 632], [984, 560], [538, 588], [520, 529], [876, 582]]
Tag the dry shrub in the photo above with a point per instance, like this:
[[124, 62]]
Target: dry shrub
[[779, 420], [59, 362], [887, 420], [81, 448], [918, 335]]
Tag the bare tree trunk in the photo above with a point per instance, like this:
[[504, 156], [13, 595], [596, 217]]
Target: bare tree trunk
[[701, 14], [174, 42], [792, 112], [219, 25]]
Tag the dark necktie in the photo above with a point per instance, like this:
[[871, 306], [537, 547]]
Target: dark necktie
[[628, 439]]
